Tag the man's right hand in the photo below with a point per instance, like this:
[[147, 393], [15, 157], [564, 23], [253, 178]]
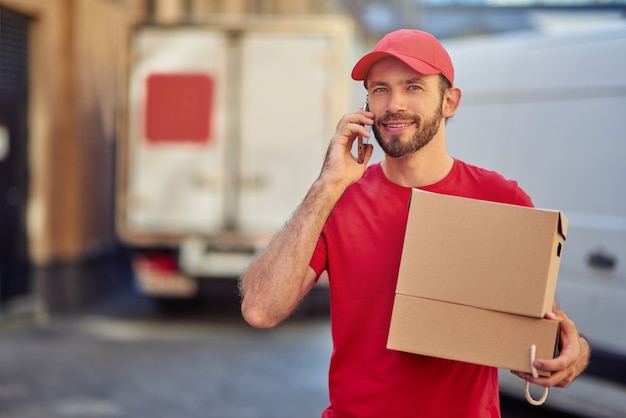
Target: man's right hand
[[341, 167]]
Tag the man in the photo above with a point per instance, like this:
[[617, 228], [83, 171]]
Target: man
[[352, 223]]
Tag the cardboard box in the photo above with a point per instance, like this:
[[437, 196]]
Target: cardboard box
[[469, 334], [489, 255]]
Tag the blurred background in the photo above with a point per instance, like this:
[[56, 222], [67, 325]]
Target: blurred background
[[148, 148]]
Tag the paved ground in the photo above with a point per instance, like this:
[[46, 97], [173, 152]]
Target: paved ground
[[126, 359]]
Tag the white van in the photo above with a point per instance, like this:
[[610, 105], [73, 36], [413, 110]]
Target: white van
[[549, 110]]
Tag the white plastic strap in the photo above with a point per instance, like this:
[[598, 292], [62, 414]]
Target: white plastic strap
[[529, 398]]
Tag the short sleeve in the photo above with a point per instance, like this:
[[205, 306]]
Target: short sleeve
[[320, 255]]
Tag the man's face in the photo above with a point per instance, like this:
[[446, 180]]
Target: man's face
[[407, 107]]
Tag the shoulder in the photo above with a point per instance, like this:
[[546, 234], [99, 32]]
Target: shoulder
[[482, 175], [481, 183]]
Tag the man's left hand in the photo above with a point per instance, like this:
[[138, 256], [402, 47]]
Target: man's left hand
[[572, 359]]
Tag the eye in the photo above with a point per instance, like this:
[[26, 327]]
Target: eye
[[379, 90], [414, 87]]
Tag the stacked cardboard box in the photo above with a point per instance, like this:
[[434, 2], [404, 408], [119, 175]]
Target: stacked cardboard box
[[476, 280]]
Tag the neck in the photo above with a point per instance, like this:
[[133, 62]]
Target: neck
[[427, 166]]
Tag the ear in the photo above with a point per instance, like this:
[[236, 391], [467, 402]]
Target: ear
[[451, 101]]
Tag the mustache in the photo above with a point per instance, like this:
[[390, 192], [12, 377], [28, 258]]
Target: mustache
[[396, 117]]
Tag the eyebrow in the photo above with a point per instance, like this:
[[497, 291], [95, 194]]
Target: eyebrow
[[417, 80]]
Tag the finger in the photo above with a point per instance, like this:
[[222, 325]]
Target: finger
[[345, 136], [570, 349], [559, 379], [529, 378], [365, 112], [354, 126], [352, 131], [361, 117], [553, 316]]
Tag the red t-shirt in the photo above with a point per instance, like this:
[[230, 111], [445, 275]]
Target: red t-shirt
[[360, 247]]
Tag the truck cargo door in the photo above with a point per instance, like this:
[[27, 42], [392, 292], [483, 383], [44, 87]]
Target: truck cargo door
[[175, 149], [285, 122]]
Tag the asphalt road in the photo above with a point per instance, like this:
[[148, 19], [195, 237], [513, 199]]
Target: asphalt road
[[127, 358]]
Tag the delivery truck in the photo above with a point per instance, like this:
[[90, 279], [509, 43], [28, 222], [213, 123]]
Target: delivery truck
[[228, 123], [548, 109]]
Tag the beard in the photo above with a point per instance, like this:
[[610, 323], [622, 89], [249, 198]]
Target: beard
[[394, 147]]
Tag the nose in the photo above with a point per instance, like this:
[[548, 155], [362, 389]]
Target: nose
[[396, 103]]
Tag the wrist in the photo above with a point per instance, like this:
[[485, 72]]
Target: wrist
[[331, 186], [585, 346], [583, 337]]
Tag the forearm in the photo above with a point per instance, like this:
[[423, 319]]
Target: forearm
[[280, 276], [585, 348], [276, 280]]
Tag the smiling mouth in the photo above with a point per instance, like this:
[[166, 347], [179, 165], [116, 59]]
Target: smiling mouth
[[397, 124]]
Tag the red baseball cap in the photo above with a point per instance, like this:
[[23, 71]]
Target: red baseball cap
[[419, 50]]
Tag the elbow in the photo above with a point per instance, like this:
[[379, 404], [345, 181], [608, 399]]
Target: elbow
[[257, 317]]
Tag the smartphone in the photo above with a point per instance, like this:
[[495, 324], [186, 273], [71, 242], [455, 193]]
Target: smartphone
[[361, 146]]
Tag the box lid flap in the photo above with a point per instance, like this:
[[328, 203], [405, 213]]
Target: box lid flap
[[563, 225]]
